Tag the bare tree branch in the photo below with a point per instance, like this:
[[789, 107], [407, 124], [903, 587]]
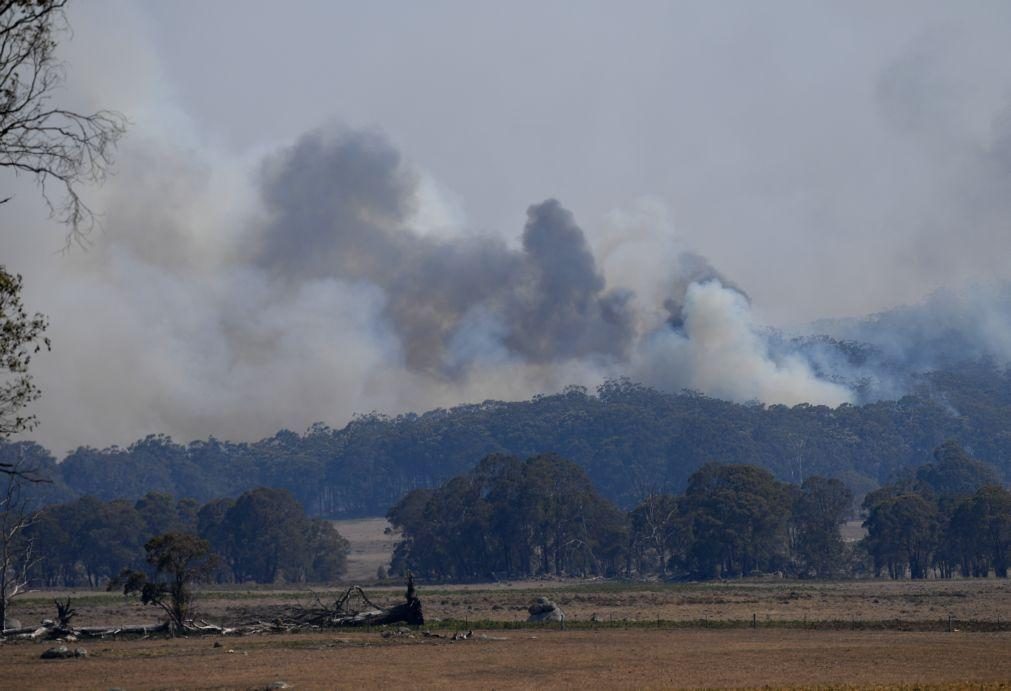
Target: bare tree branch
[[17, 548], [56, 146]]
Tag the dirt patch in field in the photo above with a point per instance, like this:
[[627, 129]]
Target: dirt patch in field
[[522, 659]]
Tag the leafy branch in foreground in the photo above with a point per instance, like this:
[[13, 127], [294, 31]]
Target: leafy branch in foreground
[[21, 336]]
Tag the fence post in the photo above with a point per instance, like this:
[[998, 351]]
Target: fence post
[[754, 620]]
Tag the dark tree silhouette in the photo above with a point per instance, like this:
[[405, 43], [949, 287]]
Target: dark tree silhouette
[[179, 560]]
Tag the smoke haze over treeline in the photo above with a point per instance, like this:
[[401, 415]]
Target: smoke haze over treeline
[[495, 223]]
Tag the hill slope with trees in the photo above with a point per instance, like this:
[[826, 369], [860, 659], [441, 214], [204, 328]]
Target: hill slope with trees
[[629, 439]]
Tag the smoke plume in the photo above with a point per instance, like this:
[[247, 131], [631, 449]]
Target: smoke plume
[[318, 298], [240, 285], [339, 206]]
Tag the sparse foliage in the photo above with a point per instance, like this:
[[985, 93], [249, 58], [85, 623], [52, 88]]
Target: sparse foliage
[[178, 560], [17, 548], [21, 336], [57, 146]]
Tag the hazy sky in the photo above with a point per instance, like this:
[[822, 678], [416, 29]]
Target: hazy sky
[[791, 142], [830, 158]]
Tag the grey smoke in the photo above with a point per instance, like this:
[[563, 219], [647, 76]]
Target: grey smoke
[[339, 206], [950, 326], [692, 268], [834, 159], [313, 296]]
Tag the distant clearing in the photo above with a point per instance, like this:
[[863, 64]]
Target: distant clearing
[[370, 547]]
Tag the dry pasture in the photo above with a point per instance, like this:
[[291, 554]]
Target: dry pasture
[[704, 639], [634, 658]]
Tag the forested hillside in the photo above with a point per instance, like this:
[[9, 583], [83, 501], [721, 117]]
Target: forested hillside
[[630, 440]]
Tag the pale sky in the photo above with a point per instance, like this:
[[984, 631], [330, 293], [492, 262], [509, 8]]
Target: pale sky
[[768, 130]]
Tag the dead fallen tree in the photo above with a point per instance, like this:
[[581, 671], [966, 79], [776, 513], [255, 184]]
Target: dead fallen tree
[[49, 631], [353, 608]]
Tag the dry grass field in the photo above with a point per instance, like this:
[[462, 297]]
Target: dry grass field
[[847, 633], [528, 659], [972, 604]]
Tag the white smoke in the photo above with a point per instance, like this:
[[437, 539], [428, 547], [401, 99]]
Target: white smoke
[[721, 352]]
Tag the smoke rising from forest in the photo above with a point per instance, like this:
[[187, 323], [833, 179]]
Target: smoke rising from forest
[[321, 300], [310, 277]]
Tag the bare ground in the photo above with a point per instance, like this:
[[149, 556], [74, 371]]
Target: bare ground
[[524, 659]]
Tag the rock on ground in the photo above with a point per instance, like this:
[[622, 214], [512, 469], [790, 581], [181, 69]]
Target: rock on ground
[[544, 609], [62, 652]]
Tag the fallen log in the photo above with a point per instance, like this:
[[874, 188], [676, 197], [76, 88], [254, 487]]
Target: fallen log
[[33, 634], [349, 610], [18, 631], [50, 632], [126, 629], [408, 613]]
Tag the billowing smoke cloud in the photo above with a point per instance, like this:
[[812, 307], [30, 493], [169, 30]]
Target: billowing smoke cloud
[[231, 294], [313, 296], [693, 269], [339, 206], [717, 349]]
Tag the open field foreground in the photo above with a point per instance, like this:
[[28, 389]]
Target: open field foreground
[[527, 659]]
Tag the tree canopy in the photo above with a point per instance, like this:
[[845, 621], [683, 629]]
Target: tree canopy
[[950, 516], [627, 438], [262, 536]]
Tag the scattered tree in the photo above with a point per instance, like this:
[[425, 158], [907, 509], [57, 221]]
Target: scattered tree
[[739, 517], [657, 531], [265, 536], [178, 561], [819, 509], [17, 553]]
